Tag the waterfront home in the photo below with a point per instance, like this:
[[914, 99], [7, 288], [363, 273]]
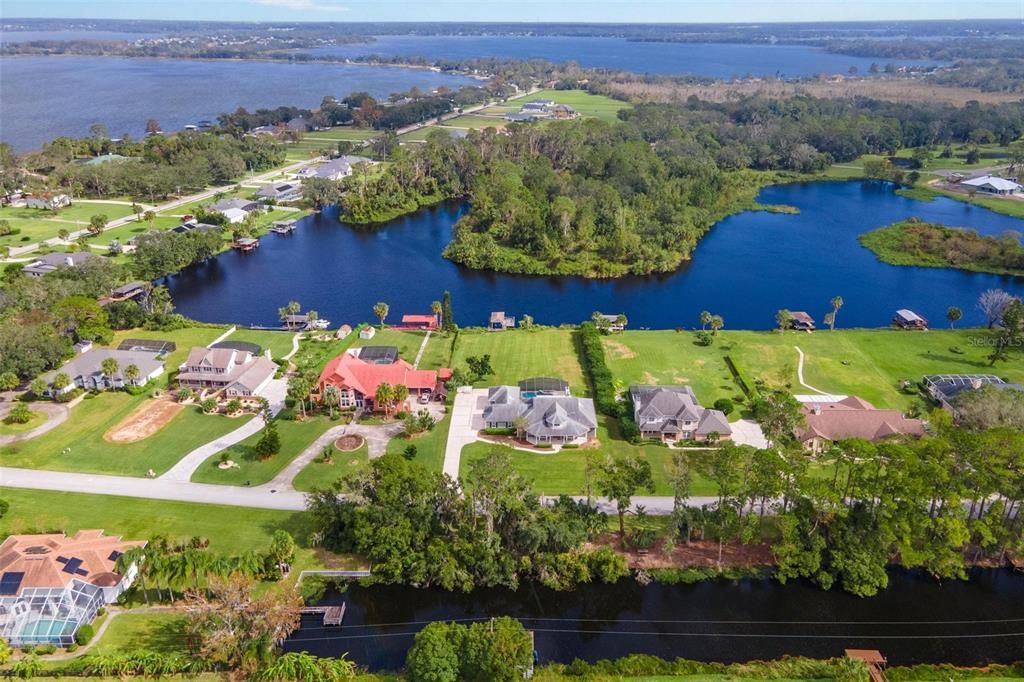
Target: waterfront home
[[239, 371], [281, 191], [284, 226], [671, 413], [610, 323], [53, 584], [86, 370], [359, 372], [47, 263], [299, 125], [801, 321], [564, 111], [419, 323], [538, 105], [48, 201], [335, 169], [946, 388], [992, 185], [540, 418], [195, 226], [247, 205], [908, 319], [128, 291], [499, 321], [828, 419]]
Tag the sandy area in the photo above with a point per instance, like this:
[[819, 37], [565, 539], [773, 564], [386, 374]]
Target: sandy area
[[149, 418]]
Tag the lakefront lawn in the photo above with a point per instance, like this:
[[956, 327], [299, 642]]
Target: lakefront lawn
[[518, 354]]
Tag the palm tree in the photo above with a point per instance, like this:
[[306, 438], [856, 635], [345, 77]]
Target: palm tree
[[332, 398], [381, 311], [109, 368], [436, 309], [134, 556], [717, 322], [837, 303], [131, 373], [705, 320], [399, 394], [64, 234], [292, 308], [383, 398], [953, 314]]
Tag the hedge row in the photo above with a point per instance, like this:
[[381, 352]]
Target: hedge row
[[593, 361], [796, 668]]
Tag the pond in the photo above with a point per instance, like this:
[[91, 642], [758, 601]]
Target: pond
[[748, 266], [915, 620]]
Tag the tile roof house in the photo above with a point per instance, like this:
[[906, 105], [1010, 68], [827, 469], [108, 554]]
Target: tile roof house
[[670, 413], [851, 417], [236, 371], [52, 584], [47, 263], [556, 419], [420, 322], [359, 371], [86, 370]]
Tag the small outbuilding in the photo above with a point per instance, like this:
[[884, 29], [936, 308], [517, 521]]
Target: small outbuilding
[[992, 185], [801, 321], [367, 332], [499, 321], [908, 319]]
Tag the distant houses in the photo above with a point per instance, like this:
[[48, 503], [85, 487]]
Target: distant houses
[[235, 210], [280, 191], [992, 184], [828, 419], [48, 201], [672, 413], [539, 109], [801, 321], [335, 169], [47, 263], [610, 323]]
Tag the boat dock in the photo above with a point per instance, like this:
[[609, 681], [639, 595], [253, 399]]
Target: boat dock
[[246, 244], [873, 659], [333, 615], [284, 226]]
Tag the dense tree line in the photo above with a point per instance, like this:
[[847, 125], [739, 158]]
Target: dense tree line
[[161, 253], [416, 528]]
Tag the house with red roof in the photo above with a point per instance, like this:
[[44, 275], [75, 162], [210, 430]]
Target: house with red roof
[[358, 372], [419, 322], [835, 418]]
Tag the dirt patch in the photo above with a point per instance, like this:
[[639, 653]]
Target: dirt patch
[[621, 350], [698, 554], [349, 443], [146, 420], [650, 378]]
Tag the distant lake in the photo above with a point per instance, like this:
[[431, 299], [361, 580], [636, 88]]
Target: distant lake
[[28, 36], [715, 60], [44, 97], [749, 266]]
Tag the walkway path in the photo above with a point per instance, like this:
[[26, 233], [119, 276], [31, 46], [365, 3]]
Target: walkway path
[[56, 414], [800, 373], [463, 431], [182, 471], [295, 346], [419, 354]]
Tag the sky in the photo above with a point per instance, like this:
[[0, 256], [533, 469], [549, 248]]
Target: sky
[[627, 11]]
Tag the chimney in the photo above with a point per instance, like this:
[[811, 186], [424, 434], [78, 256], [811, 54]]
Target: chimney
[[816, 409], [69, 261]]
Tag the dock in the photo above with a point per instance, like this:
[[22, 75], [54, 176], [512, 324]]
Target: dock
[[333, 615], [874, 660], [246, 244], [284, 226]]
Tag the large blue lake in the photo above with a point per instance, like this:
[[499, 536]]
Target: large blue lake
[[123, 94], [715, 60], [749, 266]]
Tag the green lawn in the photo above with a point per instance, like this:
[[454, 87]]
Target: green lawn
[[184, 340], [429, 446], [313, 354], [477, 120], [295, 436], [78, 443], [36, 419], [231, 530], [588, 105], [866, 362], [279, 343], [319, 475], [518, 354], [160, 631], [407, 343], [33, 224]]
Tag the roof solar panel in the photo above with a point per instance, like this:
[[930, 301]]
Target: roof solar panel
[[10, 582], [114, 556], [62, 559], [81, 571], [72, 565]]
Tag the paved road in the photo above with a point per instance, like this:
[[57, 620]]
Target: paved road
[[466, 421]]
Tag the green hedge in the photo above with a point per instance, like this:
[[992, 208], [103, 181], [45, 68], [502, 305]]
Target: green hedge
[[84, 635], [593, 360], [739, 374], [499, 432], [796, 668]]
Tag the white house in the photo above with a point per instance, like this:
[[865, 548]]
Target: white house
[[86, 370], [992, 185]]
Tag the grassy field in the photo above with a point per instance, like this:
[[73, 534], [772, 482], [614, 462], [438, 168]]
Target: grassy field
[[279, 343], [160, 631], [34, 225], [476, 120], [231, 530], [36, 419], [184, 340], [407, 343], [295, 436], [594, 106], [867, 363], [78, 443], [313, 354], [429, 446], [520, 354], [320, 475]]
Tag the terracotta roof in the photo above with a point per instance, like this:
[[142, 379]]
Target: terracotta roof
[[419, 319], [349, 371], [54, 560], [854, 417]]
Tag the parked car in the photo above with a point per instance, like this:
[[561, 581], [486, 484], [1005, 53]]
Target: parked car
[[424, 398]]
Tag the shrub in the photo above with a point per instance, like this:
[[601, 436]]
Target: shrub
[[84, 635], [570, 446], [724, 405], [543, 446], [19, 414], [499, 432], [594, 364], [45, 649], [209, 406]]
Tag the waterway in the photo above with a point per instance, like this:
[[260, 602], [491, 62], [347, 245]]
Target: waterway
[[123, 94], [915, 620], [749, 266], [713, 60]]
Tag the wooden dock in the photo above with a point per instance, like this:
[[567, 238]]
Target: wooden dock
[[333, 615], [284, 226], [874, 660]]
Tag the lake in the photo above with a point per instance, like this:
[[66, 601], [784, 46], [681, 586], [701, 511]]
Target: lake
[[915, 620], [714, 60], [124, 93], [748, 266]]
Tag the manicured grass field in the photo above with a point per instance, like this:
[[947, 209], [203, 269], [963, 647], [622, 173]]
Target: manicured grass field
[[477, 120], [78, 444], [429, 446], [231, 530], [518, 354], [595, 106], [321, 476], [408, 345], [184, 340], [156, 631], [279, 343], [295, 437], [38, 224], [863, 362]]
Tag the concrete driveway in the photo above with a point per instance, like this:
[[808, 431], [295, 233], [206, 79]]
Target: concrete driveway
[[747, 432], [467, 420]]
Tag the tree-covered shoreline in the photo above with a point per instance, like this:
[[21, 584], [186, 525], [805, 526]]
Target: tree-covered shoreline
[[916, 243]]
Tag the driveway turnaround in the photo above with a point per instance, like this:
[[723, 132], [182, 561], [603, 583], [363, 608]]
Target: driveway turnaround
[[467, 420]]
